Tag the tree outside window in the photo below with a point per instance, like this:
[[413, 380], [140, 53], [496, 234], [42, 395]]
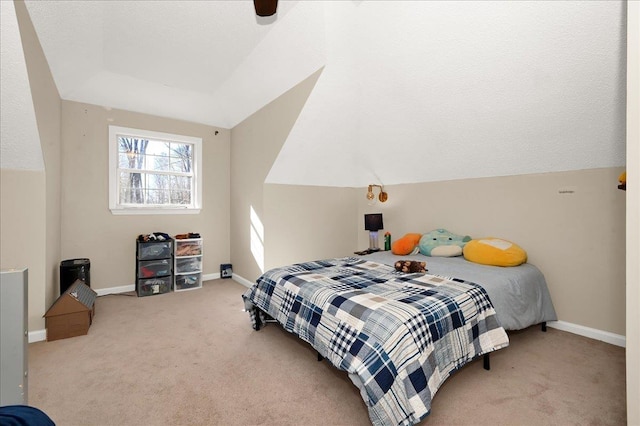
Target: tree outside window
[[154, 170]]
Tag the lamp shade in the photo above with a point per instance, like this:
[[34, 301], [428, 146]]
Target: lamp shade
[[373, 222]]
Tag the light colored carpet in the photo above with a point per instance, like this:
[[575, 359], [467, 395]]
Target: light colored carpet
[[192, 358]]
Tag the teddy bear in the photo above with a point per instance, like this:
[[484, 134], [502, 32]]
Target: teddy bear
[[410, 266]]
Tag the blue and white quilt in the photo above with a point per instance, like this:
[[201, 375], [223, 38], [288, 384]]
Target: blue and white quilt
[[399, 336]]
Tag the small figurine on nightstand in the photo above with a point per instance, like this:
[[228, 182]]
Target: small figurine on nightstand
[[387, 241], [622, 181]]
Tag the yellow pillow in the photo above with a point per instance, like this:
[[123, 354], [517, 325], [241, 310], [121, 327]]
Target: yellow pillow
[[494, 251]]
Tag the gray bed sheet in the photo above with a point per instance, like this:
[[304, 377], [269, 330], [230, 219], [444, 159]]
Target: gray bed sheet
[[519, 294]]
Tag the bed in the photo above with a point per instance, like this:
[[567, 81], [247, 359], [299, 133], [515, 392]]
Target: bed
[[519, 294], [398, 336]]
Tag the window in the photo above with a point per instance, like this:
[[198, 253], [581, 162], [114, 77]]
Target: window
[[154, 173]]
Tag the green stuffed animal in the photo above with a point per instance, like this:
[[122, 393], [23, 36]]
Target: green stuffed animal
[[441, 242]]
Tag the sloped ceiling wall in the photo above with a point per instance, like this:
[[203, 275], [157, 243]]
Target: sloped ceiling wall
[[410, 91], [430, 91], [210, 62], [20, 141]]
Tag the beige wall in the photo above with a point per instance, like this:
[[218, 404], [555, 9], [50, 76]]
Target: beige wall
[[47, 105], [255, 145], [577, 240], [633, 213], [565, 235], [89, 230], [22, 227], [308, 222]]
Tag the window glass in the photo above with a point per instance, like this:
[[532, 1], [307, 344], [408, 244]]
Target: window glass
[[151, 170]]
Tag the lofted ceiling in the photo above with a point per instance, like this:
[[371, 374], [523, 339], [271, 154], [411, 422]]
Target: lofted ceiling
[[211, 62], [410, 91]]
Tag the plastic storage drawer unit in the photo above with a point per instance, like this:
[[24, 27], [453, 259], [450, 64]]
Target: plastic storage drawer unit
[[154, 267], [187, 269]]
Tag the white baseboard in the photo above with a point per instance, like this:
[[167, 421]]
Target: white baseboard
[[209, 277], [115, 290], [37, 336], [592, 333], [245, 282]]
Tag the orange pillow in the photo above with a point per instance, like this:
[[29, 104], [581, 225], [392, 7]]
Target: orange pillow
[[406, 244]]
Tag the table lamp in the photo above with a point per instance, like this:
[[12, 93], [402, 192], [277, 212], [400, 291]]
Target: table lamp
[[373, 223]]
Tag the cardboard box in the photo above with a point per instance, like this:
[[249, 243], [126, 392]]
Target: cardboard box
[[72, 314]]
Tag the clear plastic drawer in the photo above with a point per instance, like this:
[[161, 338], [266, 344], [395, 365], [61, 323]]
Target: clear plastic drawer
[[154, 250], [154, 268], [151, 286], [188, 247], [189, 264], [188, 281]]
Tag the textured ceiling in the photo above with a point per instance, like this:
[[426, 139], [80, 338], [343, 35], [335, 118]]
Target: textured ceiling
[[212, 62], [410, 91], [432, 91]]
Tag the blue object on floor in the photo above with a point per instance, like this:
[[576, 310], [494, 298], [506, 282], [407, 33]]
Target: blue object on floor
[[23, 415]]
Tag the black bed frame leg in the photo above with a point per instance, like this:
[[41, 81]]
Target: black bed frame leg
[[486, 362], [544, 327]]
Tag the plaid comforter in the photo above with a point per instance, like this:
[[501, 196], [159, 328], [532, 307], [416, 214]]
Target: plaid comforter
[[399, 336]]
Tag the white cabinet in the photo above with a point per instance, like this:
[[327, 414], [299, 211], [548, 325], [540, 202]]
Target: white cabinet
[[187, 270], [13, 336]]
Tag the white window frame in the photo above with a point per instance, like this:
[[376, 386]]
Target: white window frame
[[114, 204]]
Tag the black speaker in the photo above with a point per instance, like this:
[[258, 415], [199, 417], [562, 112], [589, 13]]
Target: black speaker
[[72, 270], [226, 270]]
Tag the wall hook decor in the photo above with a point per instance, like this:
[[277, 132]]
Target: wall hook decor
[[383, 196]]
